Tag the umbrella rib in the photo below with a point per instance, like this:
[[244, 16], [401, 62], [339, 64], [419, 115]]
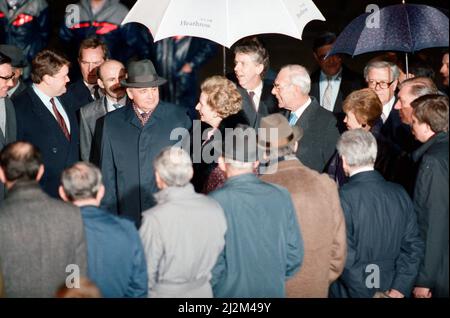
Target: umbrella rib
[[409, 29]]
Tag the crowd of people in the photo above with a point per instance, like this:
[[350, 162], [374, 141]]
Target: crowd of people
[[333, 184]]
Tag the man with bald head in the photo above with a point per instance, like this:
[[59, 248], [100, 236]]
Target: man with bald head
[[291, 88], [110, 73]]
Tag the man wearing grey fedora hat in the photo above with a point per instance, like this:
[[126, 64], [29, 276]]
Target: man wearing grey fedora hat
[[261, 225], [132, 137], [316, 200], [18, 63]]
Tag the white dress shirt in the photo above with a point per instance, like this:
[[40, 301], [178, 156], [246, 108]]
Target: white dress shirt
[[387, 109], [257, 96], [335, 85], [46, 101], [301, 109]]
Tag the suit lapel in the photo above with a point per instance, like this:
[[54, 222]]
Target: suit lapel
[[11, 127]]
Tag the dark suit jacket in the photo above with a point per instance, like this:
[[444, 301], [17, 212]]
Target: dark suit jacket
[[320, 136], [267, 104], [350, 82], [77, 95], [20, 89], [382, 230], [127, 155], [39, 238], [38, 126], [9, 135]]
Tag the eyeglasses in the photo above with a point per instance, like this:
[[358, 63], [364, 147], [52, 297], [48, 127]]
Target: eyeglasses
[[8, 77], [279, 87], [382, 84]]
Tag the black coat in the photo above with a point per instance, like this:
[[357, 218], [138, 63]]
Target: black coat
[[37, 125], [432, 208], [320, 135], [127, 155], [382, 230], [212, 147]]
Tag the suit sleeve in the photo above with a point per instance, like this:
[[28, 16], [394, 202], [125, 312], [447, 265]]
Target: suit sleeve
[[432, 212], [108, 169], [295, 249]]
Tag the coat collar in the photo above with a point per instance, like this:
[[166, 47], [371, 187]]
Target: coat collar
[[175, 193], [366, 176], [438, 138]]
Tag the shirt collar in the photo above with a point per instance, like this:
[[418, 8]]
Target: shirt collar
[[335, 77], [42, 96], [257, 90], [302, 108]]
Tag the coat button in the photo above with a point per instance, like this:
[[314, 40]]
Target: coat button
[[55, 150]]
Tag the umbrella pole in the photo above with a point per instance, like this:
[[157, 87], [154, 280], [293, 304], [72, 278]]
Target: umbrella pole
[[224, 65], [406, 65]]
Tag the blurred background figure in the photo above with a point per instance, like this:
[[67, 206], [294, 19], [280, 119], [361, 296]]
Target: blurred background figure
[[179, 60], [430, 127], [87, 289], [18, 62], [102, 19], [25, 24], [333, 81], [183, 234]]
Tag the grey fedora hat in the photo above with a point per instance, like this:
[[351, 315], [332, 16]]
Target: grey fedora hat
[[142, 74], [15, 54], [286, 135], [240, 144]]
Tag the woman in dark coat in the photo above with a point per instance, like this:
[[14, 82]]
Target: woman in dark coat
[[219, 107], [430, 127], [363, 110]]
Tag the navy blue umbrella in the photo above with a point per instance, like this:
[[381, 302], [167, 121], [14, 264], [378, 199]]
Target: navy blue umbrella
[[403, 27]]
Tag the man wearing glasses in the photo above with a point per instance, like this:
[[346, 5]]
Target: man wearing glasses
[[382, 77], [7, 112]]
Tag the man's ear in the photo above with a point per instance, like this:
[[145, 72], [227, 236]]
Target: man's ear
[[2, 175], [40, 173], [100, 193], [63, 194], [100, 83]]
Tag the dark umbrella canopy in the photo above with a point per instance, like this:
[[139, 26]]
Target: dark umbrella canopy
[[404, 27]]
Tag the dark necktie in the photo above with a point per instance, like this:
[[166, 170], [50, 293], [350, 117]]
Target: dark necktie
[[252, 94], [60, 119], [96, 91]]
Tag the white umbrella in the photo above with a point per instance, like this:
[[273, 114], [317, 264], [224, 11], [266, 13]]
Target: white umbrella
[[223, 21]]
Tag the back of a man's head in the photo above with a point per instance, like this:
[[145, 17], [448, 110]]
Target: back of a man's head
[[358, 147], [20, 161], [81, 181]]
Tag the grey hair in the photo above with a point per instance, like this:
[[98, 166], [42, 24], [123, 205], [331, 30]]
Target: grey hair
[[359, 147], [174, 166], [239, 165], [395, 72], [299, 76], [81, 181]]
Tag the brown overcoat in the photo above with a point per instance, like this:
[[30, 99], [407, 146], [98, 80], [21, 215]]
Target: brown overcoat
[[322, 226]]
